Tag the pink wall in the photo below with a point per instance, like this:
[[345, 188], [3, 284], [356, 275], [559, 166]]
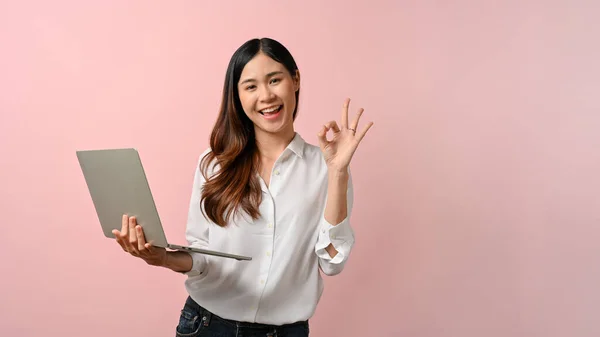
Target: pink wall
[[482, 168]]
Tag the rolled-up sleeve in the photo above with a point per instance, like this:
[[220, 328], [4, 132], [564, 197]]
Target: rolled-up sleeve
[[197, 228], [340, 235]]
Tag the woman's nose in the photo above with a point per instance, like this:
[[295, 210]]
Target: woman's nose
[[266, 94]]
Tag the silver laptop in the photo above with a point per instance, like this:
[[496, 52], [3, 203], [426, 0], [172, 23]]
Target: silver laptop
[[117, 184]]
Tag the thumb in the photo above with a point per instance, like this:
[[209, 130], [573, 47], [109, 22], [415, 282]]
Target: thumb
[[322, 136]]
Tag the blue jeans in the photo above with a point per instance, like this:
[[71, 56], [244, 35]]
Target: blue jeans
[[195, 321]]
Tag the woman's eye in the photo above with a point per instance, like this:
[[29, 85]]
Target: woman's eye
[[275, 80], [250, 87]]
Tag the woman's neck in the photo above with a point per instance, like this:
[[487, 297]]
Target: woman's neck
[[271, 145]]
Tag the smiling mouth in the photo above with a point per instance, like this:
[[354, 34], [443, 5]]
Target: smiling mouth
[[271, 110]]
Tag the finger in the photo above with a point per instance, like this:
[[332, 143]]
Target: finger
[[354, 124], [332, 125], [322, 136], [149, 248], [141, 242], [124, 225], [345, 113], [132, 240], [117, 235], [363, 132], [124, 234], [132, 235]]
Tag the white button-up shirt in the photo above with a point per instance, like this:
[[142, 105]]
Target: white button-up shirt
[[282, 283]]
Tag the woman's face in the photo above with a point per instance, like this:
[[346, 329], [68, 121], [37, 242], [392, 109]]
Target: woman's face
[[267, 93]]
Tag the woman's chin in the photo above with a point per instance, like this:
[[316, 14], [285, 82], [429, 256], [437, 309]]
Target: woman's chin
[[279, 129]]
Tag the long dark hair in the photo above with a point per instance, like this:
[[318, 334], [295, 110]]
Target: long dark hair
[[235, 186]]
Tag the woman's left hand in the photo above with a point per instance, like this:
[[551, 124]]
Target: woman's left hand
[[339, 150]]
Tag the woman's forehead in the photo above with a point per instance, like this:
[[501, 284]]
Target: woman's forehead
[[261, 66]]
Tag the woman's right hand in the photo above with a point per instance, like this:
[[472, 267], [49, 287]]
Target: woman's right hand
[[131, 239]]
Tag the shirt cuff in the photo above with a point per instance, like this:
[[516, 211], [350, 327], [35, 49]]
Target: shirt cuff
[[198, 265], [340, 236]]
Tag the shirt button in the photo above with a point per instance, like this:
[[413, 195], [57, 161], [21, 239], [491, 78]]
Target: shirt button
[[333, 237], [270, 225], [268, 253], [276, 172], [262, 281]]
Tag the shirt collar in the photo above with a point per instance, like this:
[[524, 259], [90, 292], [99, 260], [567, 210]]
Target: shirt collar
[[297, 145]]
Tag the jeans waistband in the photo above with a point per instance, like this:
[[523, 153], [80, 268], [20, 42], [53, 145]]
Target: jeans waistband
[[240, 324]]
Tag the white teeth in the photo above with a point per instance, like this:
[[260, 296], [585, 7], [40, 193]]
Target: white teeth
[[273, 109]]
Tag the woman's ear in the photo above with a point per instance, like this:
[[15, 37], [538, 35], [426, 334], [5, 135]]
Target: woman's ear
[[297, 81]]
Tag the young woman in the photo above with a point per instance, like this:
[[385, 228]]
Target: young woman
[[260, 190]]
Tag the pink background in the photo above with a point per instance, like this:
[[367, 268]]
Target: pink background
[[482, 169]]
